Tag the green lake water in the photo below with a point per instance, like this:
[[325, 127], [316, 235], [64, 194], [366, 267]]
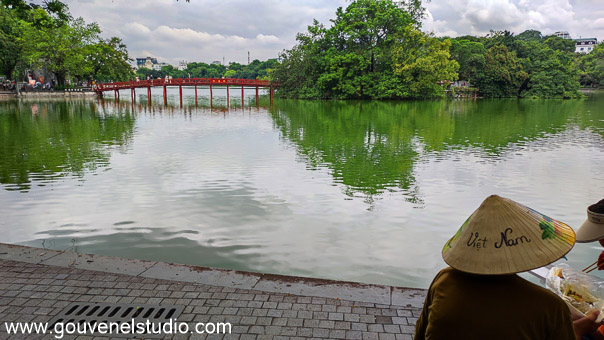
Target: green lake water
[[356, 190]]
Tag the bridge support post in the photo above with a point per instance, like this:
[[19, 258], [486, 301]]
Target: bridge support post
[[242, 98], [165, 96], [195, 95], [271, 95], [180, 93], [210, 95], [257, 102], [133, 94], [227, 95], [149, 94]]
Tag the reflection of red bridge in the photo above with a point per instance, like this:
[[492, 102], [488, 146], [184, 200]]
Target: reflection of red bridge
[[206, 82]]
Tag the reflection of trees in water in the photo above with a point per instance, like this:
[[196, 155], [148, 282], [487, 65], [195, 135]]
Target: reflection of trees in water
[[371, 147], [41, 141], [365, 146]]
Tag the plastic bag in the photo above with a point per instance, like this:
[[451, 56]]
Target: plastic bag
[[580, 291]]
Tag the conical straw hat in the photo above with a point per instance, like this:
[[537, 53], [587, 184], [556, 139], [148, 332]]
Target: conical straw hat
[[505, 237]]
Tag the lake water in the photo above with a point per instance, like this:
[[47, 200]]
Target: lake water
[[357, 191]]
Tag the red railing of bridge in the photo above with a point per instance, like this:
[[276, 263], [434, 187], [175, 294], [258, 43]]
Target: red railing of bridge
[[183, 82]]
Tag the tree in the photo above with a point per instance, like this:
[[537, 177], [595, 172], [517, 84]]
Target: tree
[[61, 47], [46, 36], [503, 74], [471, 58], [550, 72], [11, 45], [109, 60], [423, 61], [368, 28], [530, 35], [351, 59], [559, 44], [415, 9]]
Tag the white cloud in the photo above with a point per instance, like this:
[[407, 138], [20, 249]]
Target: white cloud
[[478, 17], [599, 24], [267, 39]]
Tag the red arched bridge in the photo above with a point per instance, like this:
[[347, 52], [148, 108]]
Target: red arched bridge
[[180, 82]]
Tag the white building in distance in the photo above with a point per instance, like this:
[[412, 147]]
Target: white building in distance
[[562, 34], [182, 65], [585, 45], [158, 66]]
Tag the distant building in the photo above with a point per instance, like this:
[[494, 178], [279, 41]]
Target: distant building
[[182, 65], [562, 34], [585, 45], [216, 62], [158, 66], [147, 62]]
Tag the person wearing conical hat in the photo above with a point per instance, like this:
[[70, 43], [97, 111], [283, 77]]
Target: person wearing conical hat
[[480, 296]]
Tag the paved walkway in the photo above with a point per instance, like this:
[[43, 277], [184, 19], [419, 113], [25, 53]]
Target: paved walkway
[[36, 284]]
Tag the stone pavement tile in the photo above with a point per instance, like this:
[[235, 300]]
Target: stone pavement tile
[[357, 326], [305, 332], [407, 329], [404, 337], [354, 335], [370, 336], [279, 322], [392, 329], [336, 316], [342, 325], [295, 322], [289, 331], [386, 336], [264, 321]]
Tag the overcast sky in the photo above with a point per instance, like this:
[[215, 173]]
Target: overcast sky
[[204, 30]]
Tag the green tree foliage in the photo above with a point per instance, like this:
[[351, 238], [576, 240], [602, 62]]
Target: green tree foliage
[[48, 37], [61, 48], [530, 35], [590, 67], [109, 60], [471, 57], [559, 44], [415, 8], [502, 75], [11, 48], [550, 72], [526, 65], [364, 54], [422, 62]]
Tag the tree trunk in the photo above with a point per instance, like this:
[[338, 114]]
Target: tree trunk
[[60, 78], [11, 76]]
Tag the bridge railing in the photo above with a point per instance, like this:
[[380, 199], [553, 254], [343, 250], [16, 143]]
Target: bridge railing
[[183, 82]]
